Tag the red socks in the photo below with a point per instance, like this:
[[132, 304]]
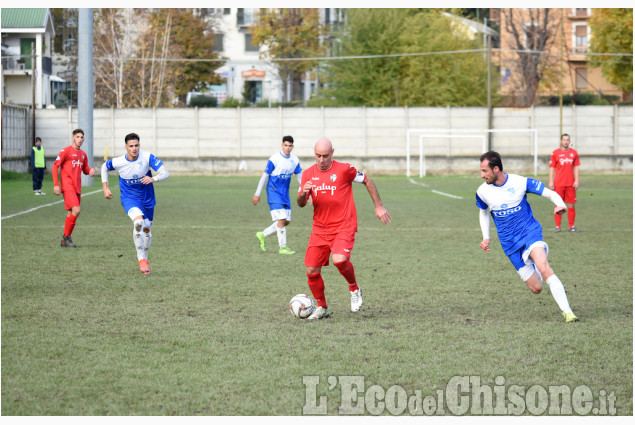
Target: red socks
[[316, 283], [348, 271], [570, 217], [69, 224]]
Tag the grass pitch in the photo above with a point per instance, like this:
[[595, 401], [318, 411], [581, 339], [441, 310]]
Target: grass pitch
[[209, 331]]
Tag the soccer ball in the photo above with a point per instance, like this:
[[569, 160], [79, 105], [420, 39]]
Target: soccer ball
[[301, 306]]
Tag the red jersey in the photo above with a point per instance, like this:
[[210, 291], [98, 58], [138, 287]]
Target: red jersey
[[73, 163], [563, 162], [332, 194]]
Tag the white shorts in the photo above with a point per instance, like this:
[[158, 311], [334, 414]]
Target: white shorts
[[528, 269], [281, 214]]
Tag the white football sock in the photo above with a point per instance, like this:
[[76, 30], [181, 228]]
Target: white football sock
[[271, 229], [146, 244], [138, 238], [282, 236], [557, 290]]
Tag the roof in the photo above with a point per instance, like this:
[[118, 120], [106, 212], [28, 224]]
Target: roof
[[26, 18]]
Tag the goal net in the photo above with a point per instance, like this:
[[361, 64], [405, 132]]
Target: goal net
[[448, 135]]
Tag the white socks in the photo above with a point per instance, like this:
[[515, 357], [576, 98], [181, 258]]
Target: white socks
[[282, 236], [271, 229], [557, 290], [139, 239], [146, 244]]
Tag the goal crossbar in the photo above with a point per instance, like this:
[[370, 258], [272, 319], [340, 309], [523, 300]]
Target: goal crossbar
[[428, 132]]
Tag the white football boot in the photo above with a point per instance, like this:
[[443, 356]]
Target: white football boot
[[356, 300]]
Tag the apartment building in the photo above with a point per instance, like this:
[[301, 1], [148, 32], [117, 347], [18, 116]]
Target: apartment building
[[569, 38]]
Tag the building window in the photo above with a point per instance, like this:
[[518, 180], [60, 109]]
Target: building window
[[218, 43], [246, 17], [226, 11], [249, 46], [581, 11], [581, 78], [581, 38]]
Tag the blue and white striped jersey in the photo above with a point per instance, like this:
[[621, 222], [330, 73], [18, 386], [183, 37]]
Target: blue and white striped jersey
[[510, 210], [130, 175], [280, 169]]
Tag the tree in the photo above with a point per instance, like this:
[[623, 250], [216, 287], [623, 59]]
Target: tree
[[430, 80], [138, 52], [533, 32], [289, 34], [612, 32], [371, 82], [114, 43], [456, 79], [188, 38]]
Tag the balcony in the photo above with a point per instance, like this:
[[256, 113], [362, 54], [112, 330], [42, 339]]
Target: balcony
[[19, 64], [579, 14]]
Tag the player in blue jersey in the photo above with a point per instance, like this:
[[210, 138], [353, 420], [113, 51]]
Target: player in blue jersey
[[279, 170], [520, 234], [137, 192]]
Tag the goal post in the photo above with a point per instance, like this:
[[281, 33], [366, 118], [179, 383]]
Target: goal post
[[472, 133]]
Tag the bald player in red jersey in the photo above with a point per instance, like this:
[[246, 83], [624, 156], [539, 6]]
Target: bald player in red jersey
[[73, 162], [565, 164], [329, 184]]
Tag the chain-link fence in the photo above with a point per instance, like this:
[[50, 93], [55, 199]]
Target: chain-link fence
[[16, 134]]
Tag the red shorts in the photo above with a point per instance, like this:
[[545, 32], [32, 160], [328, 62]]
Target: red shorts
[[321, 246], [71, 199], [567, 193]]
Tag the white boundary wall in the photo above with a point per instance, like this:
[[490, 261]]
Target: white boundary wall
[[218, 140]]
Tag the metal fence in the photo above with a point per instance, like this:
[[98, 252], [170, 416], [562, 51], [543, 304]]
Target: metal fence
[[16, 132]]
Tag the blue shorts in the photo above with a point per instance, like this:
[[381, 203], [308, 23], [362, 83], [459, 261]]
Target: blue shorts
[[519, 257], [279, 207], [148, 212]]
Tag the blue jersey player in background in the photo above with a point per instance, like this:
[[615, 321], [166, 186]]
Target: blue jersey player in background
[[137, 192], [279, 170], [520, 234]]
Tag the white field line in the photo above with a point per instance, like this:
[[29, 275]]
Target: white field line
[[45, 205], [435, 191]]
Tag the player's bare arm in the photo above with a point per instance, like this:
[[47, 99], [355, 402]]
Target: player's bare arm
[[576, 177], [552, 172], [107, 192], [303, 196], [380, 211]]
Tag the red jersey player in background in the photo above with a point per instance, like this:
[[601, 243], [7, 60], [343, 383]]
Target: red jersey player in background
[[73, 161], [565, 164], [329, 184]]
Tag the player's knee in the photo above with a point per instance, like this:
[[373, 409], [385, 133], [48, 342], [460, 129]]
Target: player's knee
[[146, 230], [313, 271], [536, 289], [138, 224]]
